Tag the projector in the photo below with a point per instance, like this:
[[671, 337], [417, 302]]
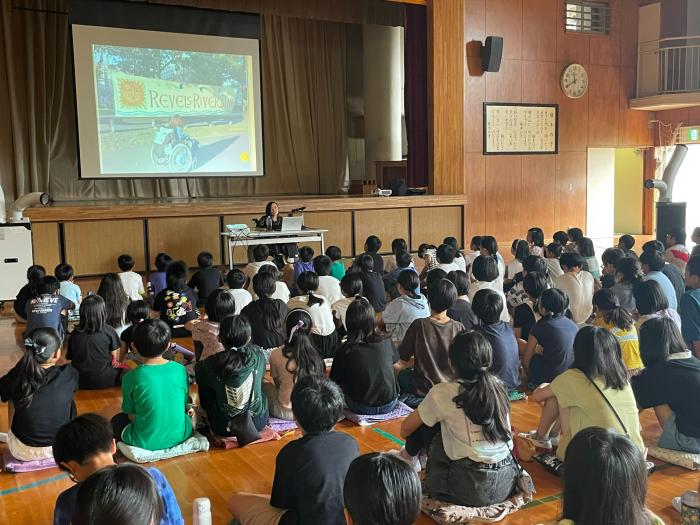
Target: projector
[[238, 229], [381, 193]]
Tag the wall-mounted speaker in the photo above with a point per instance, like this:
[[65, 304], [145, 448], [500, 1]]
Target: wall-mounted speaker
[[491, 53]]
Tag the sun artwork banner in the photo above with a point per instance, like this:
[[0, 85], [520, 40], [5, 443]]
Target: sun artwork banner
[[136, 96]]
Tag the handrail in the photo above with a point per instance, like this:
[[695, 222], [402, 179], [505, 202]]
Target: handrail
[[664, 68]]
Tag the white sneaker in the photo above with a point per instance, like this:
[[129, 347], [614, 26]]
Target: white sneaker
[[676, 503], [412, 461], [536, 441], [3, 437]]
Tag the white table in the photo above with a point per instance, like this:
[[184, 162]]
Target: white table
[[256, 237]]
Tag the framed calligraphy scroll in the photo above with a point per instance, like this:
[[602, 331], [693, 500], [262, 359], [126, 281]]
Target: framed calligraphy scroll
[[521, 129]]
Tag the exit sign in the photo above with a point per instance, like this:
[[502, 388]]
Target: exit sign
[[693, 134], [688, 135]]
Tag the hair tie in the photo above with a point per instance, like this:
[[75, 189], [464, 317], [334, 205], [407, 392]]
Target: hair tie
[[36, 349], [483, 369], [299, 325]]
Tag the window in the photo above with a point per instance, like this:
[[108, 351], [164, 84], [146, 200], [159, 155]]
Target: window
[[587, 17]]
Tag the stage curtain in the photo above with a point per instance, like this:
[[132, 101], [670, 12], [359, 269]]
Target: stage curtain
[[416, 67], [304, 99]]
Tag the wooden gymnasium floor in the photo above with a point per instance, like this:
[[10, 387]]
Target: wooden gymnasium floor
[[29, 498]]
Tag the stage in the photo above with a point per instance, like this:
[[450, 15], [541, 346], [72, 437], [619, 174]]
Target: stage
[[90, 235]]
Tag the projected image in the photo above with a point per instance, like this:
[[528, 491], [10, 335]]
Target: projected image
[[167, 111]]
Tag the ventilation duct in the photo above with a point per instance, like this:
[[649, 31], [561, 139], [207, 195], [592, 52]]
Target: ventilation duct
[[665, 185]]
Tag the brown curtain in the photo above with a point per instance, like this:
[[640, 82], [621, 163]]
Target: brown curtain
[[304, 98]]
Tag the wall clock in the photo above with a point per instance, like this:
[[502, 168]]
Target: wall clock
[[574, 81]]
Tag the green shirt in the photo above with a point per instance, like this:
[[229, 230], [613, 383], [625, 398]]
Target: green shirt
[[157, 395], [338, 270]]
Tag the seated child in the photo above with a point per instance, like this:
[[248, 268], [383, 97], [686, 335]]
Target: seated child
[[305, 262], [424, 350], [676, 253], [68, 289], [132, 281], [380, 489], [505, 359], [288, 363], [689, 306], [474, 252], [39, 395], [154, 395], [364, 364], [230, 382], [351, 286], [125, 494], [552, 254], [403, 261], [459, 259], [517, 295], [610, 257], [470, 461], [48, 309], [397, 245], [562, 238], [177, 303], [372, 246], [406, 308], [651, 302], [156, 280], [235, 279], [323, 333], [85, 445], [489, 248], [526, 314], [594, 392], [112, 291], [605, 482], [372, 283], [207, 279], [549, 350], [328, 286], [266, 315], [520, 250], [628, 274], [535, 241], [35, 275], [587, 251], [619, 322], [93, 347], [626, 243], [337, 266], [485, 277], [261, 256], [462, 309], [578, 284], [670, 384], [136, 313], [309, 471], [205, 332], [445, 255], [281, 288]]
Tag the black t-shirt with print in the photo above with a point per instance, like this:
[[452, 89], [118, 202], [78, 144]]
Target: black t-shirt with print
[[91, 355], [176, 308]]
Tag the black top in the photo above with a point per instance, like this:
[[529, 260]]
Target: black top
[[462, 312], [205, 281], [677, 280], [309, 477], [506, 360], [556, 337], [373, 290], [675, 383], [366, 372], [176, 308], [263, 337], [20, 305], [91, 355], [128, 336], [524, 318], [378, 262], [52, 405]]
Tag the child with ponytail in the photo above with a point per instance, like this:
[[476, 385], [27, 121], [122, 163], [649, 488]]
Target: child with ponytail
[[39, 395], [230, 382], [296, 359], [618, 321], [469, 460], [323, 333], [35, 275]]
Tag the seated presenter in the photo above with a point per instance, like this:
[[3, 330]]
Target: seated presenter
[[272, 220]]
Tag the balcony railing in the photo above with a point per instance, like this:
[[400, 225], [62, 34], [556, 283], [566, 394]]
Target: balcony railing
[[669, 65]]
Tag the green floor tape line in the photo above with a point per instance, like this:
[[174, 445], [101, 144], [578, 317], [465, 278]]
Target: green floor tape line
[[32, 485], [542, 501], [389, 436]]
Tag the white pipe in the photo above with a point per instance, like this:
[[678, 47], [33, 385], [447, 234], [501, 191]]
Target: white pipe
[[26, 201], [3, 215]]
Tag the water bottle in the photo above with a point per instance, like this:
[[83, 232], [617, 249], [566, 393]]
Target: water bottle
[[201, 511], [690, 508], [268, 223]]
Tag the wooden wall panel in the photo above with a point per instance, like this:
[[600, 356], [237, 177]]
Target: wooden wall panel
[[633, 125], [92, 247], [605, 49], [45, 243], [387, 224], [540, 82], [604, 105], [539, 30], [503, 199], [570, 202], [476, 188], [446, 95], [432, 225], [506, 86], [539, 192], [184, 237], [339, 226], [504, 18], [573, 119], [628, 33]]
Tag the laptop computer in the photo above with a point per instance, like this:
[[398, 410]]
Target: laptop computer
[[292, 224]]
